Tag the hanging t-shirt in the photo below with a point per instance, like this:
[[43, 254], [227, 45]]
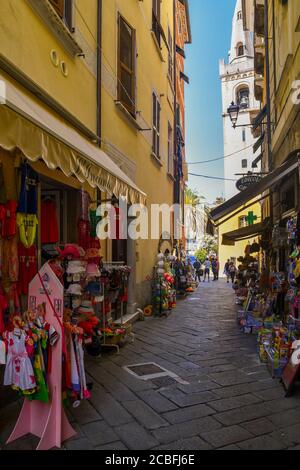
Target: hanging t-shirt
[[28, 192], [27, 267], [49, 223]]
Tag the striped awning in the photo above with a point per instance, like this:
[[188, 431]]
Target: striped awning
[[39, 134]]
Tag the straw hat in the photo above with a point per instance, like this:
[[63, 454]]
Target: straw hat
[[74, 289], [76, 267], [92, 270]]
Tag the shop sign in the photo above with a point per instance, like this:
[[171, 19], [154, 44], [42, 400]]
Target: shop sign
[[247, 181]]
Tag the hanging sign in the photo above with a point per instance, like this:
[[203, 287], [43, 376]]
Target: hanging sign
[[247, 181]]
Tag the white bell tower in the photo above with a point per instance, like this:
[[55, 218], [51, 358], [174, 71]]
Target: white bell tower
[[237, 79]]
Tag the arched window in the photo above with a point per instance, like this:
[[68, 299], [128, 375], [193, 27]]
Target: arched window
[[239, 15], [242, 97], [240, 49]]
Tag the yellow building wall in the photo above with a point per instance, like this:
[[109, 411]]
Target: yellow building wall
[[26, 42], [229, 252], [134, 147]]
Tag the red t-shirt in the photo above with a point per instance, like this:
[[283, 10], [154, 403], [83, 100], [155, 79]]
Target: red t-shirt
[[49, 224]]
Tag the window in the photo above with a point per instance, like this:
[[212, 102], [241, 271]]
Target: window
[[244, 135], [240, 49], [64, 9], [242, 97], [239, 15], [245, 163], [170, 150], [126, 66], [156, 19], [170, 55], [156, 126], [242, 221]]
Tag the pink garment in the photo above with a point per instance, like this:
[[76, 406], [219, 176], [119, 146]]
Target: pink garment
[[18, 370]]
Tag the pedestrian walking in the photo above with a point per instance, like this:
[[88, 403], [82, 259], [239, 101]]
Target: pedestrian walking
[[217, 267], [198, 270], [232, 271], [207, 268], [214, 268], [226, 270]]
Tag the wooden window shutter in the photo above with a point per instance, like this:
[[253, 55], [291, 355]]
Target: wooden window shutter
[[156, 126], [126, 65], [59, 7], [69, 13]]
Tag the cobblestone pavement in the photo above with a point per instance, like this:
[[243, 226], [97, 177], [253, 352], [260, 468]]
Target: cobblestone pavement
[[224, 399]]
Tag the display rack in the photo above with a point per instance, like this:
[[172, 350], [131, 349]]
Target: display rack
[[48, 421], [107, 265]]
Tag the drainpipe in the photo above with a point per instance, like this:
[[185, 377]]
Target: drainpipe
[[269, 130], [268, 93], [99, 70]]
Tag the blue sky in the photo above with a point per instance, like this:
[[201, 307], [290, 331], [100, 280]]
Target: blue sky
[[211, 23]]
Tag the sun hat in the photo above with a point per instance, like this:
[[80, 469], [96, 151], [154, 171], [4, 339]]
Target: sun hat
[[92, 253], [71, 251], [93, 288], [74, 289], [76, 267], [92, 270]]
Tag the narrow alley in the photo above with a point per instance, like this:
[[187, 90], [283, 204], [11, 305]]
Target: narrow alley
[[221, 396]]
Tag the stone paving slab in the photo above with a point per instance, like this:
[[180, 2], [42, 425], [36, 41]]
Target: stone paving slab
[[99, 433], [187, 414], [144, 414], [234, 402], [183, 400], [289, 436], [240, 415], [112, 446], [193, 443], [135, 437], [187, 429], [261, 443], [259, 426], [224, 436], [156, 401]]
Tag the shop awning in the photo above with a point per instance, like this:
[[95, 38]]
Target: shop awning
[[39, 134], [243, 233], [257, 189]]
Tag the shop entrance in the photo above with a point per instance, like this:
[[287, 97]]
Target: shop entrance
[[61, 204]]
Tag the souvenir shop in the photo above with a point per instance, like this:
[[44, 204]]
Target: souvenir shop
[[270, 300], [60, 301]]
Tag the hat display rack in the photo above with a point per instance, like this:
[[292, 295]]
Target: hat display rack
[[109, 267]]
